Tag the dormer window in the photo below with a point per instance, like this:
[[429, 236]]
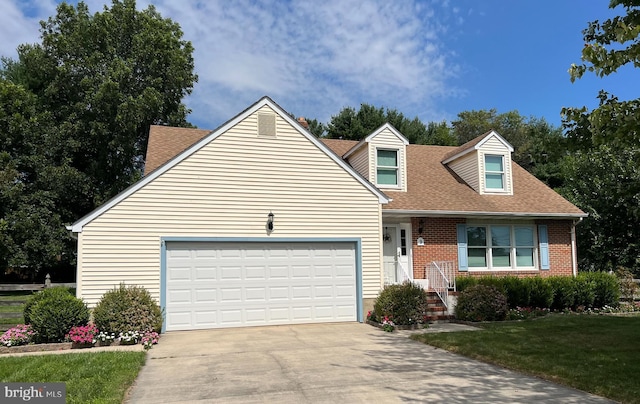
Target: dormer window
[[387, 167], [494, 172]]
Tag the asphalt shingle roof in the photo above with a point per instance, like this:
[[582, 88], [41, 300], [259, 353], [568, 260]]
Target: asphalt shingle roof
[[431, 187]]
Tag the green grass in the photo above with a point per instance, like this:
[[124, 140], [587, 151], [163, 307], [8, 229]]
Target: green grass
[[598, 354], [101, 377], [11, 309], [12, 297]]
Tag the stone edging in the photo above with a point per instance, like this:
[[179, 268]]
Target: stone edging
[[61, 346]]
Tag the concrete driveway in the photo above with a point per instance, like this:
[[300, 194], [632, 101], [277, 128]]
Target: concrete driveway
[[326, 363]]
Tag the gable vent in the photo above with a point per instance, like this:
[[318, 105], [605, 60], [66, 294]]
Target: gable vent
[[267, 125]]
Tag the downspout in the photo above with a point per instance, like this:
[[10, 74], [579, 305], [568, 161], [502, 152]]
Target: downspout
[[574, 248]]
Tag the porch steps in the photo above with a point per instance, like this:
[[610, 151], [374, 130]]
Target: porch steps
[[436, 310]]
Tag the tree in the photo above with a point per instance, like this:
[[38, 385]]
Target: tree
[[605, 183], [608, 46], [33, 185], [538, 146], [316, 127], [106, 77], [87, 94], [350, 124], [602, 174]]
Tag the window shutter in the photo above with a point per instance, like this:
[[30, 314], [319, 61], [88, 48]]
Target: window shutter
[[463, 263], [543, 238]]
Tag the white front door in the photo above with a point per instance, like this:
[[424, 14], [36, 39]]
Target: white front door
[[396, 253]]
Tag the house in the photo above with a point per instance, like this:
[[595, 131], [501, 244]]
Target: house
[[259, 222]]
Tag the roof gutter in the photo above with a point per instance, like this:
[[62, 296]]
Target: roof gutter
[[453, 213]]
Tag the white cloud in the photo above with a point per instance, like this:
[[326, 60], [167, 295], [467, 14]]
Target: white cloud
[[311, 57], [19, 23]]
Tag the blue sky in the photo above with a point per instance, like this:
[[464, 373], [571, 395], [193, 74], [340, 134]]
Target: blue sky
[[430, 59]]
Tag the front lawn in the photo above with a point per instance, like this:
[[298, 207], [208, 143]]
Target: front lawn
[[101, 377], [598, 354]]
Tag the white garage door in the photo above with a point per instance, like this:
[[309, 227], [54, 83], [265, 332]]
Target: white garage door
[[214, 285]]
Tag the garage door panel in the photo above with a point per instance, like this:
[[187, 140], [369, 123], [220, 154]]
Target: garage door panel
[[301, 292], [206, 318], [258, 273], [302, 313], [278, 272], [257, 294], [212, 285], [256, 316], [181, 273], [228, 295], [230, 317], [323, 292], [205, 295], [205, 273], [178, 296], [301, 272], [179, 318]]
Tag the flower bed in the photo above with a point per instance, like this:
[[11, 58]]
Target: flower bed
[[21, 339]]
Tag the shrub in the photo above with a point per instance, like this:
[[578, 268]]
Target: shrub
[[463, 282], [125, 309], [37, 297], [541, 292], [564, 292], [518, 291], [585, 292], [405, 304], [628, 286], [481, 303], [54, 314], [606, 289]]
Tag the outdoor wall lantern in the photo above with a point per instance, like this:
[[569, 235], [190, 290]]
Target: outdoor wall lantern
[[270, 222], [387, 237], [420, 226]]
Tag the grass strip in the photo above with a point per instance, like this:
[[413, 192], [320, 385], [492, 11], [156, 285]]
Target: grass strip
[[101, 377], [598, 354]]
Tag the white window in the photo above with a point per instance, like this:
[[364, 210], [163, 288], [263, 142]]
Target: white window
[[493, 172], [387, 167], [501, 247]]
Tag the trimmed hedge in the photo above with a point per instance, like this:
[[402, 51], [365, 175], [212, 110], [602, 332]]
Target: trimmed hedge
[[587, 290], [405, 304]]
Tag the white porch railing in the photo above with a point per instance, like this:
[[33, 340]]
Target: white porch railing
[[441, 278], [394, 272]]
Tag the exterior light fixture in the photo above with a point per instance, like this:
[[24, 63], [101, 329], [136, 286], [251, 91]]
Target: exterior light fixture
[[420, 226], [270, 222], [387, 237]]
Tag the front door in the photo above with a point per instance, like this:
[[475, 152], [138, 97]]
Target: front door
[[396, 252]]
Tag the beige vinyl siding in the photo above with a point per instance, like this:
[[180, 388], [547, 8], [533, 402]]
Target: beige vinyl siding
[[387, 140], [493, 146], [467, 168], [360, 162], [227, 189]]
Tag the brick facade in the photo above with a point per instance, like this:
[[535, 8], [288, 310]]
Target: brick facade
[[441, 244]]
